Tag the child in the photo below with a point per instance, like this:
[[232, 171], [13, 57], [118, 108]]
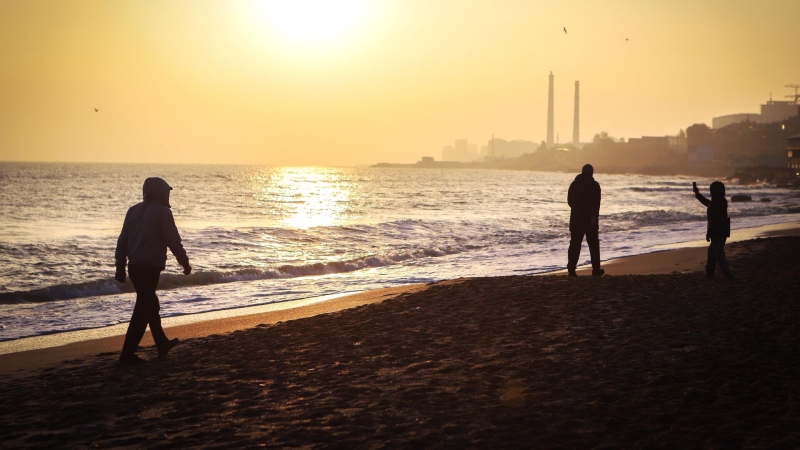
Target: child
[[719, 228]]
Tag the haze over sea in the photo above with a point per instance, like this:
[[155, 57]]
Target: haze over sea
[[259, 234]]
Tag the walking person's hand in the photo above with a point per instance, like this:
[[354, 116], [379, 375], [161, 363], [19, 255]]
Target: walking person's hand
[[708, 238], [593, 222], [120, 275], [187, 269]]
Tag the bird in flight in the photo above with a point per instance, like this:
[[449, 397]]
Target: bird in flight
[[565, 30], [96, 110]]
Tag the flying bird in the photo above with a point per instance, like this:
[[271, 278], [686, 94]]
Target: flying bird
[[96, 110], [565, 30]]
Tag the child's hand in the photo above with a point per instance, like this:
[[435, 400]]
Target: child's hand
[[708, 238]]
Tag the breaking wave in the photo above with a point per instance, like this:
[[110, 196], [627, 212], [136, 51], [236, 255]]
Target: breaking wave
[[172, 281]]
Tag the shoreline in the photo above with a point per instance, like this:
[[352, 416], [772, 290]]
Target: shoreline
[[29, 353]]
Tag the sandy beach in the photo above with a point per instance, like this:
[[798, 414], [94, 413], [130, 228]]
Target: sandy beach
[[666, 360]]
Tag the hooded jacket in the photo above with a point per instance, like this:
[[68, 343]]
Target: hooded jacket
[[719, 225], [584, 200], [149, 229]]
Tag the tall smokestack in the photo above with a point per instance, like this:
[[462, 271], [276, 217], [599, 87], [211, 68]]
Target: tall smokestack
[[550, 113], [576, 123]]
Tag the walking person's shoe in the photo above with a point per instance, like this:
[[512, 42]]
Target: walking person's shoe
[[131, 360], [571, 273], [598, 272], [170, 345]]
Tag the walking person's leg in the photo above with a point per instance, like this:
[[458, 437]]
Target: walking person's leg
[[152, 310], [711, 262], [718, 246], [154, 320], [574, 252], [136, 328], [145, 281]]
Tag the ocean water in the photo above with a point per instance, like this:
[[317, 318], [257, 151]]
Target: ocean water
[[258, 234]]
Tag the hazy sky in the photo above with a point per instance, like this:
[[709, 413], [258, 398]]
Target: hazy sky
[[376, 81]]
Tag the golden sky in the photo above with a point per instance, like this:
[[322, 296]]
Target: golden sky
[[258, 82]]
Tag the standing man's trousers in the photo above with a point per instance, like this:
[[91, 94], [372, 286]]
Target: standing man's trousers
[[145, 281], [592, 240]]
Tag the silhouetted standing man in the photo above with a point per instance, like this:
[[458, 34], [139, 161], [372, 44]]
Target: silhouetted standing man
[[148, 230], [584, 200]]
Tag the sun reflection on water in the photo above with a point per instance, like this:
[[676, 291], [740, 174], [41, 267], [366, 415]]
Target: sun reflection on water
[[313, 196]]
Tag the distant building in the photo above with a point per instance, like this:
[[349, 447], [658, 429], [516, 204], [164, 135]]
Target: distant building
[[772, 111], [650, 143], [426, 159], [730, 119], [793, 152], [776, 111], [462, 149], [448, 153], [501, 148], [658, 144], [700, 153]]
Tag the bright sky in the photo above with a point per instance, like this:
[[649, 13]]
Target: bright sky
[[306, 83]]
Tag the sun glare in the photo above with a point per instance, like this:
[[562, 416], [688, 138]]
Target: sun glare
[[313, 22], [314, 197]]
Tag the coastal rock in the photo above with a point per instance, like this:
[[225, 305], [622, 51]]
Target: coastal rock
[[766, 200], [741, 198]]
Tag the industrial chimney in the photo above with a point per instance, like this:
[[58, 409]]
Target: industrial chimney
[[576, 123], [550, 113]]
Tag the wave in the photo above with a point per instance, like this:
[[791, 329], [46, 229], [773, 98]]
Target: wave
[[172, 281], [66, 292], [656, 217], [659, 189]]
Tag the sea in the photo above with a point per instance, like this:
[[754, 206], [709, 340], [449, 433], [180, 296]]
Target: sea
[[257, 234]]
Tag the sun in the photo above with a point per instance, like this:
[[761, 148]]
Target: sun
[[313, 22]]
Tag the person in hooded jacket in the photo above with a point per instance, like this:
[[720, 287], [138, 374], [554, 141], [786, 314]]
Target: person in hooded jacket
[[718, 230], [149, 229], [584, 201]]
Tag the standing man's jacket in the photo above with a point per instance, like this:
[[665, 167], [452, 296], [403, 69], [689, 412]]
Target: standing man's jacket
[[584, 200], [149, 229]]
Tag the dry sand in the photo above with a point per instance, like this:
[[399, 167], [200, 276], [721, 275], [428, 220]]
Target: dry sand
[[661, 361]]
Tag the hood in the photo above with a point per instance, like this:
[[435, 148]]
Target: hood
[[717, 189], [156, 189]]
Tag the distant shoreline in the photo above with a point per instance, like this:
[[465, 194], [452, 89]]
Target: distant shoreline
[[779, 176], [709, 171]]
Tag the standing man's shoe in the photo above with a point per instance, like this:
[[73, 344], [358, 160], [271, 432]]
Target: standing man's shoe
[[598, 272], [170, 345], [571, 273]]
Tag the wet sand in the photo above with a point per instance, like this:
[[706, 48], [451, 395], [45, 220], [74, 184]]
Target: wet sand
[[665, 361]]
